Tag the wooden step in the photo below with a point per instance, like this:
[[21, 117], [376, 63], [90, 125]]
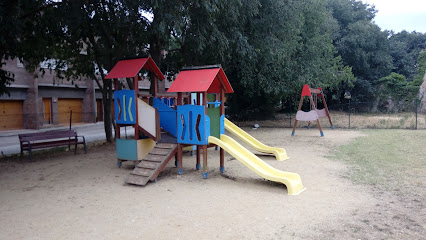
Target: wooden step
[[149, 165], [165, 145], [136, 180], [152, 164], [142, 172], [153, 158], [160, 151]]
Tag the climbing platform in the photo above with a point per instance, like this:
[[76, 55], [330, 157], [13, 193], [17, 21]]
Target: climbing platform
[[149, 168]]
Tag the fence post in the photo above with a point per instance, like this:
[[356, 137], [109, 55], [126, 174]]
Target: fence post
[[349, 113], [290, 113], [416, 102], [70, 118]]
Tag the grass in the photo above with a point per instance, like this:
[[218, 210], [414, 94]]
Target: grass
[[387, 159]]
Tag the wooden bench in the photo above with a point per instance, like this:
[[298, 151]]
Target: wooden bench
[[48, 139]]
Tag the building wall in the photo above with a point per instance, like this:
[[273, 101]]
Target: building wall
[[34, 88]]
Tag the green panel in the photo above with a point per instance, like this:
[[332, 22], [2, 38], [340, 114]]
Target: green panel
[[211, 97], [127, 149], [214, 115]]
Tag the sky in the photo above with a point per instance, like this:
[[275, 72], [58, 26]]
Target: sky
[[398, 15]]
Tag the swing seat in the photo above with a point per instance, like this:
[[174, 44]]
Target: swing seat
[[321, 113], [306, 116]]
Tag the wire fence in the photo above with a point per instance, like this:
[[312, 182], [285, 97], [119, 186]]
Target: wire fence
[[351, 116]]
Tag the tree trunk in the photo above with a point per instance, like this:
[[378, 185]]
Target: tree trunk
[[107, 96], [155, 52]]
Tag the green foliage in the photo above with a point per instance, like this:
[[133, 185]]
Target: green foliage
[[18, 20], [362, 46], [347, 12], [397, 89], [281, 54], [366, 49], [394, 85], [421, 69], [267, 48], [6, 78], [405, 50]]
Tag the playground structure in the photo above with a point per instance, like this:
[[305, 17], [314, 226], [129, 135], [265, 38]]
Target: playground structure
[[314, 114], [196, 117]]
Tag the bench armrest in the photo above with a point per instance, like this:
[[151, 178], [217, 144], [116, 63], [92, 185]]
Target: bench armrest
[[84, 139]]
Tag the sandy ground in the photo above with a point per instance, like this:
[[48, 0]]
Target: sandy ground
[[67, 196]]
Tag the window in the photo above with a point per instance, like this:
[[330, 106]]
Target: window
[[51, 64], [19, 64]]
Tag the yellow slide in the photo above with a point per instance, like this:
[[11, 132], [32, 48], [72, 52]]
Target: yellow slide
[[291, 180], [279, 153]]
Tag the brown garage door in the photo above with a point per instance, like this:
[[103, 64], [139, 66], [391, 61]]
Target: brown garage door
[[65, 105], [99, 110], [11, 114]]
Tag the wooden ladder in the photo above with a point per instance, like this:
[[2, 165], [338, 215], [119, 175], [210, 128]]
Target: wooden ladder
[[149, 168]]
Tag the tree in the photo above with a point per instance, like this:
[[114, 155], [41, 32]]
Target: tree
[[286, 52], [421, 69], [89, 35], [268, 49], [18, 19], [405, 49], [362, 46]]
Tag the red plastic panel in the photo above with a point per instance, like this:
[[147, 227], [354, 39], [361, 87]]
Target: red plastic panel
[[201, 80], [130, 68]]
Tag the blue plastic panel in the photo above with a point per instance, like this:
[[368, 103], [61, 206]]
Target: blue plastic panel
[[125, 107], [126, 149], [167, 117], [222, 124], [188, 131]]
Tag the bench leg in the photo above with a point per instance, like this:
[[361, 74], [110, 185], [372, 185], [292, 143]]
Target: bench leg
[[85, 149], [75, 149], [30, 154]]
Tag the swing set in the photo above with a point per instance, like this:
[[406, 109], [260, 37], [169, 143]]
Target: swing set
[[314, 114]]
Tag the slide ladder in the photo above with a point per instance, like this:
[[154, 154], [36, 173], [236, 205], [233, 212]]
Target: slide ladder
[[149, 168], [291, 180], [280, 153]]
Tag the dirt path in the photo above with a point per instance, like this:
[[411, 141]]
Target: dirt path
[[63, 196]]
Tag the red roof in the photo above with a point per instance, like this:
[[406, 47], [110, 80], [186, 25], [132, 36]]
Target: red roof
[[306, 91], [201, 80], [130, 68]]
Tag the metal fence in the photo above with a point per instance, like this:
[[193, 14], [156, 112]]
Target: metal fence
[[352, 115], [41, 120]]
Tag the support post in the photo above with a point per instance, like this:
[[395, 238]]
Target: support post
[[179, 159], [222, 112], [117, 128], [295, 120], [318, 122], [205, 169], [136, 89], [326, 110], [349, 114], [198, 164], [416, 106]]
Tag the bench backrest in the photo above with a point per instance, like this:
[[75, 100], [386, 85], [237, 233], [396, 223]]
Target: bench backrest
[[53, 134]]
